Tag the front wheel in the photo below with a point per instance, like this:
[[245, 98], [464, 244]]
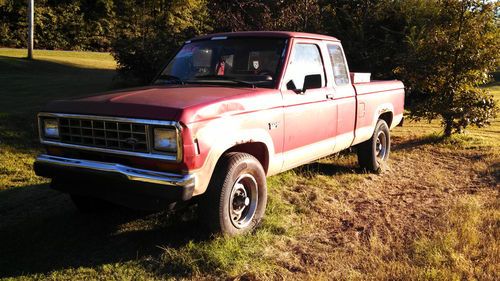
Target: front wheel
[[373, 153], [236, 198]]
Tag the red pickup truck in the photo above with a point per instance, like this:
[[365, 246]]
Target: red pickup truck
[[227, 111]]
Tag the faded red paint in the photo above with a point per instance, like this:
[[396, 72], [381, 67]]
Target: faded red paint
[[292, 121]]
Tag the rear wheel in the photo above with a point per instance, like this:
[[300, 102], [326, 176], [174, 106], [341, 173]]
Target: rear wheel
[[236, 198], [373, 153]]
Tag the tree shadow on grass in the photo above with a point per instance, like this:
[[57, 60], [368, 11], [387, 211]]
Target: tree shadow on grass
[[337, 166], [495, 171], [408, 144], [41, 231], [328, 169], [27, 85]]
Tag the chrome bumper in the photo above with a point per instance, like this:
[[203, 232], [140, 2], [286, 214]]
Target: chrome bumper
[[132, 174]]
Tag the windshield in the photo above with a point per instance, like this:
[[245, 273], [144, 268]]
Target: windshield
[[243, 61]]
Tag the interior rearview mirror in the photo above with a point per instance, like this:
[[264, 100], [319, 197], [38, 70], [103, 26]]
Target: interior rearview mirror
[[202, 58]]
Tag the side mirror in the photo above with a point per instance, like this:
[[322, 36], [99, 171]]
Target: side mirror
[[312, 81]]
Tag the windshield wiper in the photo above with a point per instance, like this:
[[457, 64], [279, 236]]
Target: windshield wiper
[[226, 78], [171, 78]]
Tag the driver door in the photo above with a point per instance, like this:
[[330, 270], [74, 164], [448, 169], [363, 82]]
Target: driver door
[[310, 116]]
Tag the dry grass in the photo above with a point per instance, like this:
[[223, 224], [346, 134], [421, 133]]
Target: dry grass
[[432, 215]]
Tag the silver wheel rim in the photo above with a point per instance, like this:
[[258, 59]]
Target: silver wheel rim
[[243, 201], [381, 146]]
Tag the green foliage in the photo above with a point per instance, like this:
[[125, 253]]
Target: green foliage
[[372, 32], [447, 59], [296, 15], [68, 25], [441, 49], [52, 22], [149, 34]]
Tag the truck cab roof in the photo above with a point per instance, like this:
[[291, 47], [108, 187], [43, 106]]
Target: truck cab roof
[[273, 34]]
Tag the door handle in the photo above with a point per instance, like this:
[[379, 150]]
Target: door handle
[[329, 96]]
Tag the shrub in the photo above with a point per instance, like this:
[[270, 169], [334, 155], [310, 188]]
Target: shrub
[[148, 35]]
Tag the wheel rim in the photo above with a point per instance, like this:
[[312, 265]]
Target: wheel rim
[[243, 201], [381, 146]]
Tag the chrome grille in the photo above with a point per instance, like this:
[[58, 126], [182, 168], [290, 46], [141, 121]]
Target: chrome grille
[[104, 134]]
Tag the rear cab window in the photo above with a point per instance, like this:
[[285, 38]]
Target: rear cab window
[[340, 73]]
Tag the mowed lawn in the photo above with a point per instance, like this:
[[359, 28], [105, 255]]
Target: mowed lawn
[[434, 214]]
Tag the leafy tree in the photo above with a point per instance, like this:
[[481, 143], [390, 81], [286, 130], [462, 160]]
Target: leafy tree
[[61, 24], [448, 59], [149, 32], [373, 32], [59, 27], [12, 28], [295, 15], [100, 21]]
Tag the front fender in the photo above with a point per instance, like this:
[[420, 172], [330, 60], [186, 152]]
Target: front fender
[[222, 135]]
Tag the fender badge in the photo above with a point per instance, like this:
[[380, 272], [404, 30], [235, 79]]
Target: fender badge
[[273, 125]]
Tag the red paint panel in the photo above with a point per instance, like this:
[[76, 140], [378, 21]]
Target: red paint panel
[[273, 34], [309, 118], [377, 86], [372, 101], [154, 102], [346, 115]]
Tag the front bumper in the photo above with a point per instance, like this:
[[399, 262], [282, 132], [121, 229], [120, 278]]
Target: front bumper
[[174, 187]]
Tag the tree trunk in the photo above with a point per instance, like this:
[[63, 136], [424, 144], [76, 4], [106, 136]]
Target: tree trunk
[[448, 127]]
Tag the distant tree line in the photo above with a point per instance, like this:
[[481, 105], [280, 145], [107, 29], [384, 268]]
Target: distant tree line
[[60, 24], [441, 49]]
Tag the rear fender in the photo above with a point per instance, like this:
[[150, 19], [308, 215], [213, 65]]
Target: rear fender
[[365, 133]]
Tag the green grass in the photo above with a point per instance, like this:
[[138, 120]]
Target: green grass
[[473, 137], [27, 86], [326, 220], [455, 251]]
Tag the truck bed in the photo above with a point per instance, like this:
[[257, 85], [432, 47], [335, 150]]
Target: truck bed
[[373, 99]]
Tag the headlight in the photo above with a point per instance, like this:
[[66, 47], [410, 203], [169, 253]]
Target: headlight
[[51, 128], [165, 139]]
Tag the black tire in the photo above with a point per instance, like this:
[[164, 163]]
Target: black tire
[[236, 198], [373, 153], [87, 204]]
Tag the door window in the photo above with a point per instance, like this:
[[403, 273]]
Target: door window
[[306, 60], [339, 65]]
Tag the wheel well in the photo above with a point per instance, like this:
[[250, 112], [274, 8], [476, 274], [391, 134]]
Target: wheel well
[[256, 149], [387, 117]]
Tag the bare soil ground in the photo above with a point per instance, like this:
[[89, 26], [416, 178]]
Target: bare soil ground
[[380, 218]]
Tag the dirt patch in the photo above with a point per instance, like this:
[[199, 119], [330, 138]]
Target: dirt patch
[[384, 213]]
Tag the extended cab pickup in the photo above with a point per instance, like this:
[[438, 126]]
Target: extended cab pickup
[[227, 111]]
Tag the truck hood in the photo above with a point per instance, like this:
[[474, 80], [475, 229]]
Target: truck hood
[[153, 102]]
